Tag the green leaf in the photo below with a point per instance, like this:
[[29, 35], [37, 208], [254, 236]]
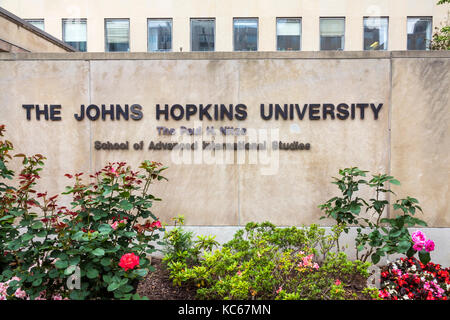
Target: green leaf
[[424, 257], [375, 258], [107, 191], [37, 282], [105, 228], [78, 235], [141, 272], [54, 273], [73, 261], [395, 234], [410, 252], [105, 262], [125, 205], [27, 237], [395, 181], [420, 222], [69, 270], [113, 286], [61, 264], [92, 273], [98, 252], [403, 246], [6, 217], [37, 225]]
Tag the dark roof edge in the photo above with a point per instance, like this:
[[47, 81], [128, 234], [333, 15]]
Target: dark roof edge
[[20, 22]]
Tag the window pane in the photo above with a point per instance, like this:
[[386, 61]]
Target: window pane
[[117, 35], [375, 33], [202, 34], [159, 35], [288, 34], [419, 33], [245, 34], [332, 32], [38, 23], [74, 33]]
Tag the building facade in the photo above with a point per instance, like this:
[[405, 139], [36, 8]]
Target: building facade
[[233, 25], [17, 35]]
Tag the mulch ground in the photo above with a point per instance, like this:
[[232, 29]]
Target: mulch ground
[[158, 286]]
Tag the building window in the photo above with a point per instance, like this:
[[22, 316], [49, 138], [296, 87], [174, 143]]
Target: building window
[[75, 34], [289, 32], [332, 32], [117, 35], [375, 33], [245, 34], [38, 23], [202, 34], [419, 33], [159, 35]]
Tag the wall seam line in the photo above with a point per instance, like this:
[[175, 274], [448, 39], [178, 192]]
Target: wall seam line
[[90, 122], [390, 133]]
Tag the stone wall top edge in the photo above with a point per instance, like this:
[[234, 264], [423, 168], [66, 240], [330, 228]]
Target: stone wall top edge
[[224, 55]]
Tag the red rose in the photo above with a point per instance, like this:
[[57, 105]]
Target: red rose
[[129, 261], [156, 224]]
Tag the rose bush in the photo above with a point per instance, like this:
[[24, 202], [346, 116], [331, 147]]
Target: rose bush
[[43, 244], [376, 236]]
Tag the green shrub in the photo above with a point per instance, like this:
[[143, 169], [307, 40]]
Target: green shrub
[[266, 262], [179, 246]]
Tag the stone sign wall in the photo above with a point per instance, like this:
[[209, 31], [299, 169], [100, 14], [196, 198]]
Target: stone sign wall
[[289, 120]]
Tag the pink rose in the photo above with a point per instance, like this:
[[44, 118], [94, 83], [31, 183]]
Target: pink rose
[[429, 245], [418, 237], [338, 282], [129, 261], [418, 246], [115, 225]]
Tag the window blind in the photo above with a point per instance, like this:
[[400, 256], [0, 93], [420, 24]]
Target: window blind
[[117, 31], [74, 30], [332, 27], [288, 28]]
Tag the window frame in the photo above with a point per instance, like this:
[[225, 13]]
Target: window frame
[[105, 34], [276, 32], [257, 33], [380, 17], [431, 34], [345, 30], [171, 33], [190, 32], [76, 19], [36, 19]]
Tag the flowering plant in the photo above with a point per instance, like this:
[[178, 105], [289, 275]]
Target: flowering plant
[[44, 244], [129, 261], [376, 236], [422, 245], [410, 279]]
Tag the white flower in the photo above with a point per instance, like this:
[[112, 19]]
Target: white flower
[[406, 297]]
